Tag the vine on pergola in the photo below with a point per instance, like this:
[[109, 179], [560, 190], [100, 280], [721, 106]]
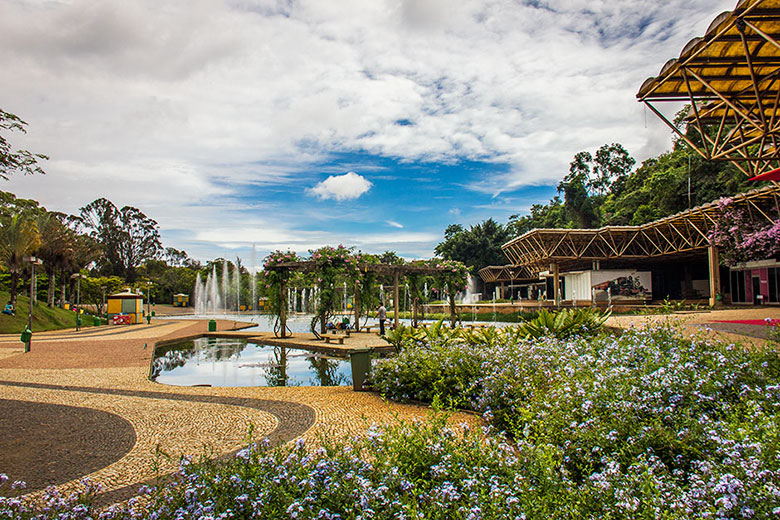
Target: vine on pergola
[[331, 265], [333, 268], [276, 282], [453, 276]]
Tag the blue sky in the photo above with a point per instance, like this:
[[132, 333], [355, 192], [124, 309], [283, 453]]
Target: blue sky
[[300, 123]]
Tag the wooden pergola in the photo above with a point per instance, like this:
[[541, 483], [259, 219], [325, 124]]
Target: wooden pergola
[[730, 78], [396, 271], [684, 233]]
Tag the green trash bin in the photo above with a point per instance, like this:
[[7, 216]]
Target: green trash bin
[[25, 338], [96, 321], [360, 360], [212, 325]]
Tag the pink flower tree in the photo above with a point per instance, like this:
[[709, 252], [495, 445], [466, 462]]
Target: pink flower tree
[[743, 238]]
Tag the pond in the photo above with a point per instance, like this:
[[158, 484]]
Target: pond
[[232, 362]]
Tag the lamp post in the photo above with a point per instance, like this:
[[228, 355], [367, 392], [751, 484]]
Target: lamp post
[[78, 277], [103, 307], [27, 334], [148, 302]]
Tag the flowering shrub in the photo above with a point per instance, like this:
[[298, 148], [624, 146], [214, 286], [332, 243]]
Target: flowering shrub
[[643, 425], [405, 470], [52, 505], [742, 238], [275, 279]]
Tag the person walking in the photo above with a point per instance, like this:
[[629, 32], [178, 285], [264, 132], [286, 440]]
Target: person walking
[[382, 315]]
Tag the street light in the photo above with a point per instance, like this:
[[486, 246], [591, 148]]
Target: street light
[[78, 276], [148, 302], [27, 334]]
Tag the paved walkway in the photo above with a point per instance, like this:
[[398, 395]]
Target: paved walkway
[[82, 404], [711, 322]]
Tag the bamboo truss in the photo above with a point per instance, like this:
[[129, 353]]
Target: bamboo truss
[[685, 232], [505, 273], [730, 79]]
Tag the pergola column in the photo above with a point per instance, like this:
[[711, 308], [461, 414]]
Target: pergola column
[[355, 307], [714, 263], [283, 311], [556, 282], [395, 296]]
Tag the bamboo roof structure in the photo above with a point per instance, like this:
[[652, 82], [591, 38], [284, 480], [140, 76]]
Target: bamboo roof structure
[[677, 235], [730, 78], [506, 273]]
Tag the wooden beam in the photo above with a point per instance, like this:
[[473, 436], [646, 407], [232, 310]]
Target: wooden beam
[[714, 268]]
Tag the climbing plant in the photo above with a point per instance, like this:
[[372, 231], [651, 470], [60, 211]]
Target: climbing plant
[[276, 280], [453, 276], [331, 266], [366, 286]]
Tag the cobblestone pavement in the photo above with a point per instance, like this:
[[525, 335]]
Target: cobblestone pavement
[[72, 379]]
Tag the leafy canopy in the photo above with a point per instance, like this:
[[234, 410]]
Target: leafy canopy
[[16, 160]]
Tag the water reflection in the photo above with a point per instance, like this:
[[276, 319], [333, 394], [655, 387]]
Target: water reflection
[[229, 362]]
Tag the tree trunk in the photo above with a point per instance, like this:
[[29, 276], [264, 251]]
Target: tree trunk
[[14, 284], [453, 309], [62, 293], [52, 287]]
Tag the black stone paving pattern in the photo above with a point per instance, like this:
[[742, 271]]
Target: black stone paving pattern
[[294, 419]]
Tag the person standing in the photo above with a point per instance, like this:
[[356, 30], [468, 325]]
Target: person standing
[[382, 315]]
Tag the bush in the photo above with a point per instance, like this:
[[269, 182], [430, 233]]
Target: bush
[[646, 424]]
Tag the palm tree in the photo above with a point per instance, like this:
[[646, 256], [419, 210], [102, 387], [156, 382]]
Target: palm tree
[[57, 247], [18, 238]]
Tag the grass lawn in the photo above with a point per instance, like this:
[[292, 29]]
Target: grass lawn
[[44, 317]]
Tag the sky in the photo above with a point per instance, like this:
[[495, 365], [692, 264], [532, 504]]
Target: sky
[[293, 124]]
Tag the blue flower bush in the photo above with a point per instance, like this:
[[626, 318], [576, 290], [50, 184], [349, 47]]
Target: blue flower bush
[[649, 424]]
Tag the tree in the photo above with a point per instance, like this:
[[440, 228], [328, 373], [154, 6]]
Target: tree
[[57, 247], [741, 237], [176, 257], [478, 246], [94, 290], [126, 236], [612, 164], [16, 160], [19, 237]]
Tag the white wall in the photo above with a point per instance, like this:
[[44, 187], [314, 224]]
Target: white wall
[[577, 285]]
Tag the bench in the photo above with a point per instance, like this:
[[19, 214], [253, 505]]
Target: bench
[[328, 339]]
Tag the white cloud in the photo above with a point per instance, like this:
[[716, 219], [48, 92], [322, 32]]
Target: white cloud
[[131, 101], [394, 224], [341, 187]]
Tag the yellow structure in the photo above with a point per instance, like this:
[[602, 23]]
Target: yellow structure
[[263, 305], [125, 303], [181, 300]]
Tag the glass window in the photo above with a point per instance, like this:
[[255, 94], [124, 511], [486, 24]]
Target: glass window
[[738, 286]]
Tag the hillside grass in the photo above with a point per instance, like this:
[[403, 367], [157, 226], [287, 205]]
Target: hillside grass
[[44, 317]]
